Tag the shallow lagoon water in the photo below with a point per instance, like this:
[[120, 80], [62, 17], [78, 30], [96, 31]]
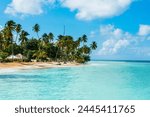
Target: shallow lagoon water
[[97, 80]]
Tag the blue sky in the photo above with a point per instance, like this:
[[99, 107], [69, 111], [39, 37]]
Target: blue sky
[[121, 28]]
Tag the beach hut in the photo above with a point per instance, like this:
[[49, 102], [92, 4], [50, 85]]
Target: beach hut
[[12, 57], [21, 57], [16, 57]]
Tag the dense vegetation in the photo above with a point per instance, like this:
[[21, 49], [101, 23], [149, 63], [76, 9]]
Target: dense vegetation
[[14, 40]]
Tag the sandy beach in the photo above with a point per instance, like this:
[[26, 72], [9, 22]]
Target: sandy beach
[[34, 65]]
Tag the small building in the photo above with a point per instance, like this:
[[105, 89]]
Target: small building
[[16, 57], [21, 57], [12, 57]]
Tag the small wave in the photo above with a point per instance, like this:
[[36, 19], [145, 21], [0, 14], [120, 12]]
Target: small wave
[[7, 70]]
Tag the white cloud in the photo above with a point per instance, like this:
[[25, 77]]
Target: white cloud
[[144, 30], [26, 7], [86, 10], [112, 46], [120, 44], [116, 40], [110, 31], [92, 9]]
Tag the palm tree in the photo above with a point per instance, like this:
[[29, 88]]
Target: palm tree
[[23, 37], [84, 39], [4, 38], [93, 46], [50, 37], [18, 30], [64, 49], [58, 46], [10, 27], [45, 38], [78, 42], [40, 55], [85, 49], [1, 41], [36, 29]]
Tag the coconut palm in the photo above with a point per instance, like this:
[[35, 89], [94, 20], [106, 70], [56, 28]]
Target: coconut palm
[[1, 41], [84, 39], [23, 37], [65, 48], [79, 40], [4, 38], [36, 29], [93, 46], [45, 38], [50, 37], [58, 46], [85, 49], [18, 30], [10, 27]]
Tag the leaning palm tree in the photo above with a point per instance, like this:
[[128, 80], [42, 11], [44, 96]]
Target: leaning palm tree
[[36, 29], [10, 27], [23, 37], [93, 46], [18, 30]]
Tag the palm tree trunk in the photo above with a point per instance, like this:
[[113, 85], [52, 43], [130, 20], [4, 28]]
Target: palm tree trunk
[[16, 38], [38, 35], [56, 55], [12, 49]]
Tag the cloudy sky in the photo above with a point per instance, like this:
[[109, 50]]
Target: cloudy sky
[[120, 27]]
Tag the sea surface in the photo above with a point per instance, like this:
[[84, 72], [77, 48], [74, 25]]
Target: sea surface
[[97, 80]]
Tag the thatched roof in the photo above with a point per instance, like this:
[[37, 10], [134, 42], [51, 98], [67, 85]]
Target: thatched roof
[[12, 57], [17, 57], [20, 56]]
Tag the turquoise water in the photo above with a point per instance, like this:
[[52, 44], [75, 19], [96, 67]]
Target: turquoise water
[[95, 81]]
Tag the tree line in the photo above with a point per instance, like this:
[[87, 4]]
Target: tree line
[[15, 40]]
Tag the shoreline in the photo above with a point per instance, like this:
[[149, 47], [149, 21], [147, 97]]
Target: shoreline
[[36, 65]]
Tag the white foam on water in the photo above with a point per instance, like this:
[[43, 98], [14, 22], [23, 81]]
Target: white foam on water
[[8, 70]]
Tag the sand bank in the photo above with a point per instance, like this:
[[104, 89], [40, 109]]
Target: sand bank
[[32, 65]]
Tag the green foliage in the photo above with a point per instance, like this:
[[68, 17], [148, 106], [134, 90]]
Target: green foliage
[[16, 48], [32, 44], [40, 55], [29, 54], [3, 55], [63, 48]]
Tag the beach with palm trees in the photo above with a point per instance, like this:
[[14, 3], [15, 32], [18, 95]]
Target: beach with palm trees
[[19, 49]]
